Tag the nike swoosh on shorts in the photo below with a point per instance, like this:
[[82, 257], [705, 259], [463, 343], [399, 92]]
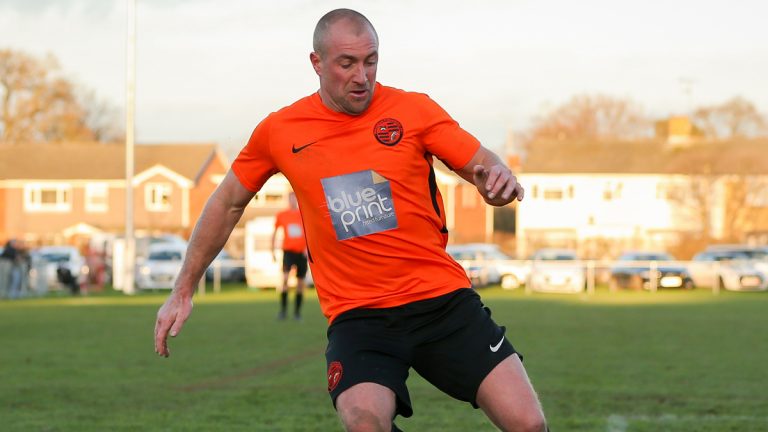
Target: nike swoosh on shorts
[[496, 347]]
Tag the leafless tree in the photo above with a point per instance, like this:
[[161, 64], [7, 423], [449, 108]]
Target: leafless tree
[[735, 118], [738, 200], [592, 118], [101, 117]]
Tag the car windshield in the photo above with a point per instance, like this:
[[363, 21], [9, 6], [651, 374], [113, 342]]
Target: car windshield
[[555, 256], [165, 256], [497, 255], [54, 257], [462, 255], [731, 257], [646, 257], [757, 254]]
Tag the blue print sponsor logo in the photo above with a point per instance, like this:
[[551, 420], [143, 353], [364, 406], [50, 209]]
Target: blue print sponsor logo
[[359, 204]]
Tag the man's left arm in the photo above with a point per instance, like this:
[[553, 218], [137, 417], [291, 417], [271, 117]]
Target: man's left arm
[[494, 180]]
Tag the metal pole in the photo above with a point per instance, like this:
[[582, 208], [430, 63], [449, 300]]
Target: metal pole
[[130, 108], [653, 276], [201, 287], [216, 276], [591, 277]]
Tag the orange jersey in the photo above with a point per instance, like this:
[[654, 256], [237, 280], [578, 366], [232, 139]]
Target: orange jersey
[[293, 232], [373, 216]]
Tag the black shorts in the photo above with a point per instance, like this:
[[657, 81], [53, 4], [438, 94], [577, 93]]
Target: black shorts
[[297, 259], [449, 340]]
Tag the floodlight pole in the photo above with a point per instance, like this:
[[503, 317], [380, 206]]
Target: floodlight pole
[[130, 128]]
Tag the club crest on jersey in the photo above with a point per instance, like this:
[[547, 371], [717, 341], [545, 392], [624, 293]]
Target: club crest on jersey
[[388, 131], [335, 372], [359, 204]]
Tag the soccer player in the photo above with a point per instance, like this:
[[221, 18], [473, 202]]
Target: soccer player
[[294, 247], [359, 156]]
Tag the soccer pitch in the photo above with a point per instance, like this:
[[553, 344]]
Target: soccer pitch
[[667, 361]]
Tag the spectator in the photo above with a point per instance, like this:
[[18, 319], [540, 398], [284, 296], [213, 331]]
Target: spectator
[[13, 264]]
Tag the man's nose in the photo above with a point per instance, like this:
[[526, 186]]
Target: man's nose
[[360, 77]]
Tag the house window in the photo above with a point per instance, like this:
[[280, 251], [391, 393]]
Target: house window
[[612, 191], [157, 196], [468, 196], [96, 197], [672, 192], [553, 194], [48, 197]]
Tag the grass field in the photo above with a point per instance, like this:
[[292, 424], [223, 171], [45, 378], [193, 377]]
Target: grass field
[[670, 361]]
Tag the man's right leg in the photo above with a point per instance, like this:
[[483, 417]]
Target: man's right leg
[[367, 370], [367, 407]]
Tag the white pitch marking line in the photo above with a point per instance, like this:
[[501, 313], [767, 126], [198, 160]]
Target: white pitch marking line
[[616, 423]]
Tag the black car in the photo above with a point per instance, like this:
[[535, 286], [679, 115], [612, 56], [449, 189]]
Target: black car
[[634, 272]]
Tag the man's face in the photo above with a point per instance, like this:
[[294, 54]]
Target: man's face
[[347, 67]]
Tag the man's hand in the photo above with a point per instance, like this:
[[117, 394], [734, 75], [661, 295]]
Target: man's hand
[[497, 185], [170, 318]]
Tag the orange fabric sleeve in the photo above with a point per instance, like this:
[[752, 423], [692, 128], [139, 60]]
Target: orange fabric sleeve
[[254, 165], [443, 137]]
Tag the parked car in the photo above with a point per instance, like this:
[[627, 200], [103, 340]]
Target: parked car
[[63, 266], [556, 270], [469, 258], [230, 269], [757, 255], [161, 267], [729, 269], [634, 271], [486, 264]]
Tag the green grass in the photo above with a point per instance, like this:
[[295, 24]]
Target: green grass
[[670, 361]]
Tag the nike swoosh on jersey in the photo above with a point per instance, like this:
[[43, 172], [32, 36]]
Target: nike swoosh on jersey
[[298, 149], [496, 347]]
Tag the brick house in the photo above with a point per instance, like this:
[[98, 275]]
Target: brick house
[[50, 193]]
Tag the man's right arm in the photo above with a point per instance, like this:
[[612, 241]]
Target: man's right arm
[[220, 215]]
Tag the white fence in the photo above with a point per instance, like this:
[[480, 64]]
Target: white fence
[[586, 275]]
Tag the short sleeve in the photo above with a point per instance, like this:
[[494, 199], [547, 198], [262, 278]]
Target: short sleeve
[[254, 165], [443, 137]]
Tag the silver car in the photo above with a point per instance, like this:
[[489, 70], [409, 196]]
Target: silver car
[[161, 267], [486, 264], [729, 269], [557, 270]]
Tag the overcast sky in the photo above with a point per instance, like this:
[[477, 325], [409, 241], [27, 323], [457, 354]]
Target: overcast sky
[[210, 70]]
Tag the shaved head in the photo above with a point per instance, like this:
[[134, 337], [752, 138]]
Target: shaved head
[[359, 21]]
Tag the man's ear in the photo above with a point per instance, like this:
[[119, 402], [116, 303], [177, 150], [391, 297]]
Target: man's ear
[[314, 58]]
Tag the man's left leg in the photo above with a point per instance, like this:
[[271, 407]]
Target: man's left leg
[[468, 356], [508, 399], [299, 298], [301, 274]]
